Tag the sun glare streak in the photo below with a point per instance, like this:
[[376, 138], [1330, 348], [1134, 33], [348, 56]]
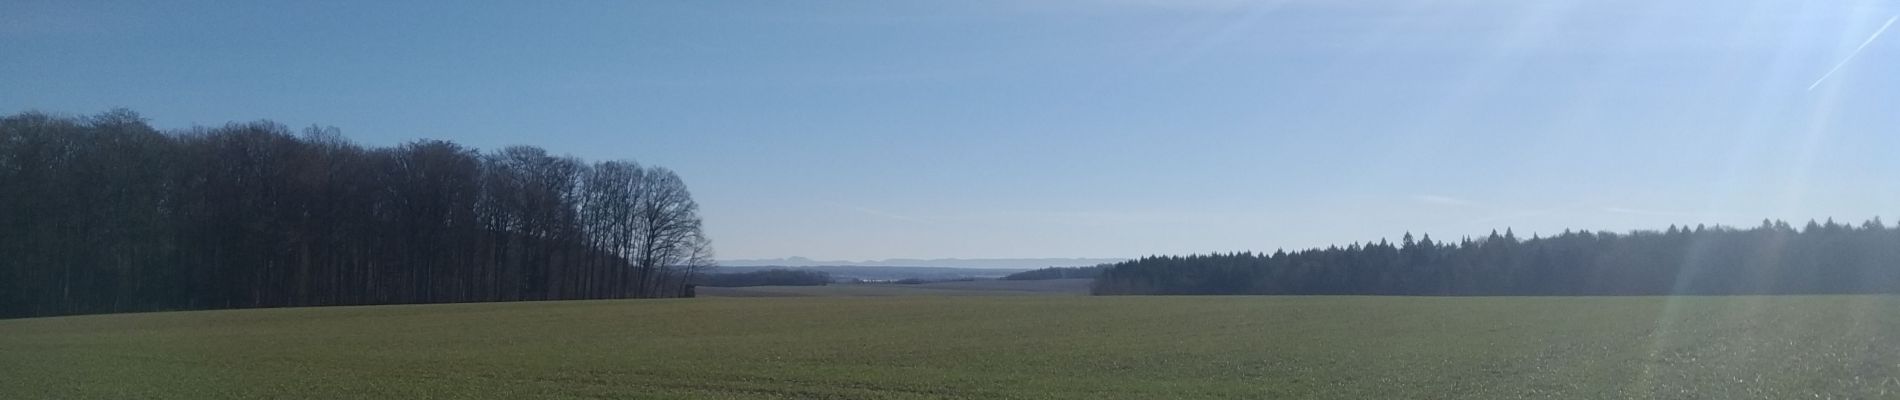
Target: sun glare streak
[[1856, 52], [1765, 102], [1749, 137], [1820, 123], [1745, 140]]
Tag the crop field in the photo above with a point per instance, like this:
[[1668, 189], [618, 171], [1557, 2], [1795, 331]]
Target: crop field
[[1028, 347]]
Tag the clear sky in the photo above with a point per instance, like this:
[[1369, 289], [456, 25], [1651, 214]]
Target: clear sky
[[1061, 128]]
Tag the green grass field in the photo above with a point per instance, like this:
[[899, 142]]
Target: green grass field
[[1077, 347]]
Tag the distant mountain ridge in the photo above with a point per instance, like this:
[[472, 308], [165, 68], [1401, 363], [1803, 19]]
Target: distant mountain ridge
[[1020, 263]]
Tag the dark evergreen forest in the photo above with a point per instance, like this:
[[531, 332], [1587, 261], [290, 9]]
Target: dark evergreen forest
[[1773, 258], [1056, 273], [106, 214]]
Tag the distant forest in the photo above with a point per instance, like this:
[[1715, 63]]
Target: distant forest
[[770, 277], [1774, 258], [1057, 273], [106, 214]]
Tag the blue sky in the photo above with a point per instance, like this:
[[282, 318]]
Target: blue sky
[[1062, 128]]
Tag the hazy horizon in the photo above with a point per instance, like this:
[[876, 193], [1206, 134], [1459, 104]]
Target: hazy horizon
[[1080, 128], [976, 263]]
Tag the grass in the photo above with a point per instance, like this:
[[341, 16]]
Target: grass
[[1030, 347]]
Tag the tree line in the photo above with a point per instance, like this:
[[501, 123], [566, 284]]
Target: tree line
[[1057, 273], [770, 277], [106, 214], [1773, 258]]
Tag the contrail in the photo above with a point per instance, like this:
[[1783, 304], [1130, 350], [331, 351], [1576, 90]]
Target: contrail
[[1850, 56]]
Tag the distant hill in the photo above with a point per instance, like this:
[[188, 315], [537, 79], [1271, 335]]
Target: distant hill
[[1017, 263]]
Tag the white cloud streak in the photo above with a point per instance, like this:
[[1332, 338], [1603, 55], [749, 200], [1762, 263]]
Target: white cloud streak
[[1442, 200], [1850, 56]]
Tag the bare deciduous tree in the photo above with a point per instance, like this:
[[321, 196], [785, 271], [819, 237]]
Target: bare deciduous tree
[[106, 214]]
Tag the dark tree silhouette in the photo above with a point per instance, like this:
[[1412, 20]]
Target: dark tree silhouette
[[106, 214]]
